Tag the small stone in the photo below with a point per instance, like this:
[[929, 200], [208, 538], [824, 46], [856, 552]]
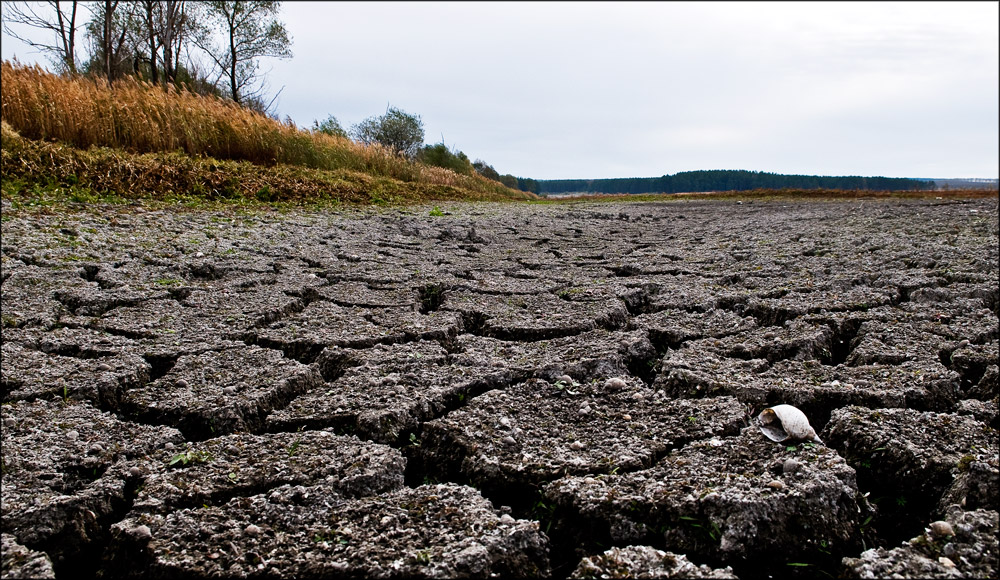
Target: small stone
[[585, 410], [946, 562], [181, 384], [104, 367], [565, 379], [252, 530], [134, 471], [614, 384], [941, 528], [776, 485], [627, 417], [638, 396], [229, 391], [168, 445], [213, 556], [509, 441], [73, 435], [790, 466], [577, 445], [142, 532], [505, 421], [95, 449], [507, 519]]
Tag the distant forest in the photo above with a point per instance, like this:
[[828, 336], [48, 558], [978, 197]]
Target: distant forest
[[726, 180]]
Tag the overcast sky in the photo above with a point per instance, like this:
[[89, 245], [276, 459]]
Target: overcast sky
[[592, 90]]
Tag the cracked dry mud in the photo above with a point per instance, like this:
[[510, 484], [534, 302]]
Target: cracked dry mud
[[517, 390]]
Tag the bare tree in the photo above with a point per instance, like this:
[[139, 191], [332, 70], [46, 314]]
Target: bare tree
[[250, 31], [165, 24], [112, 29], [62, 24], [150, 9], [173, 27]]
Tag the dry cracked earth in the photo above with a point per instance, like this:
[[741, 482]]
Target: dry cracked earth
[[514, 390]]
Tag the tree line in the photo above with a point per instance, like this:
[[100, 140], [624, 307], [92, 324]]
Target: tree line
[[727, 180], [211, 47]]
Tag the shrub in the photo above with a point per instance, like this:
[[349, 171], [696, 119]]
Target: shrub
[[440, 156], [396, 130]]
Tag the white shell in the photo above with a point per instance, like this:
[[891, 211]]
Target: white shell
[[786, 423]]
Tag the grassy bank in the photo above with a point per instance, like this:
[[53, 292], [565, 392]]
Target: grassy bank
[[82, 139]]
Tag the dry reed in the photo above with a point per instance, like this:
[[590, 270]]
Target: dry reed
[[140, 117]]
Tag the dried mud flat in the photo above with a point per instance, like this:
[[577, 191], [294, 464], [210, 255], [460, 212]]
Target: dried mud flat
[[512, 390]]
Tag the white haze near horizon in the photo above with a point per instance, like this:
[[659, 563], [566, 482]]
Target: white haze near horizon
[[557, 90]]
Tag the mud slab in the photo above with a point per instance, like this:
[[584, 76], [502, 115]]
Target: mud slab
[[510, 442], [215, 471], [963, 545], [742, 501], [220, 392], [239, 380], [917, 458], [645, 562], [21, 563], [67, 473], [382, 393], [439, 531]]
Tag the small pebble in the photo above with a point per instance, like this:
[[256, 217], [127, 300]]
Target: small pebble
[[565, 379], [585, 410], [790, 466], [775, 484], [142, 532], [507, 519], [941, 528], [509, 441], [134, 471], [252, 530], [104, 367], [181, 384], [168, 445], [505, 421], [229, 390], [385, 521], [946, 562], [577, 445], [638, 396], [627, 417], [73, 435], [614, 384], [95, 449]]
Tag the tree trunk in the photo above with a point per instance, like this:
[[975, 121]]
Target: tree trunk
[[109, 8], [151, 24], [232, 59]]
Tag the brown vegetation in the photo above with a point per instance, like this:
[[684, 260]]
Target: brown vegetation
[[172, 141]]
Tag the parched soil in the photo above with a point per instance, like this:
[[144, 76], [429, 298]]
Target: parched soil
[[516, 390]]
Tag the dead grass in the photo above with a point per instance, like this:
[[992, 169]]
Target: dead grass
[[33, 170], [196, 144]]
